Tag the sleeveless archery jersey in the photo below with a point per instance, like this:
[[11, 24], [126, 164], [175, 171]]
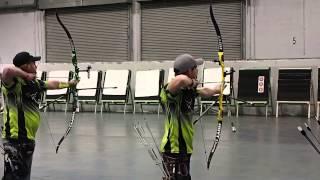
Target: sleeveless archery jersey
[[178, 130], [21, 117]]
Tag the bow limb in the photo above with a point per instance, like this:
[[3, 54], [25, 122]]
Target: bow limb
[[220, 111], [73, 90]]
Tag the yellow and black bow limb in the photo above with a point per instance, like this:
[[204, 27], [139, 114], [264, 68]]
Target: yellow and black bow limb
[[220, 100]]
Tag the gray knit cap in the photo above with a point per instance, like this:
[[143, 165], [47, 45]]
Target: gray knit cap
[[185, 62]]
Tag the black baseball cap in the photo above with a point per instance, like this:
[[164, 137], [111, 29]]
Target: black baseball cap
[[24, 58]]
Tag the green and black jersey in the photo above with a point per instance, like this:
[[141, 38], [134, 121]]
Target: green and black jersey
[[178, 128], [21, 117]]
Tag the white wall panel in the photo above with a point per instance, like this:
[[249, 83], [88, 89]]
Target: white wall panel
[[277, 24], [21, 31], [312, 28]]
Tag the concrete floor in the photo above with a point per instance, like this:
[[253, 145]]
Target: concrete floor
[[105, 147]]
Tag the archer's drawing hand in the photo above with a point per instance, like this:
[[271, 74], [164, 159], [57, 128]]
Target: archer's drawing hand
[[220, 87], [30, 77], [195, 83]]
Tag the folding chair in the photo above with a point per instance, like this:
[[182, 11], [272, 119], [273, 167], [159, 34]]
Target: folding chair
[[147, 88], [294, 87], [211, 78], [42, 76], [116, 88], [52, 95], [89, 88], [170, 75], [254, 88]]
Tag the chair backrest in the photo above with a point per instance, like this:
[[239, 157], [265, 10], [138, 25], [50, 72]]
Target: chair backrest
[[92, 82], [59, 76], [294, 84], [254, 84], [212, 77], [40, 75], [170, 75], [116, 84], [148, 84]]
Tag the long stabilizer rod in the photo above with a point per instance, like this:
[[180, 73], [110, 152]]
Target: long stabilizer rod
[[309, 129], [306, 136]]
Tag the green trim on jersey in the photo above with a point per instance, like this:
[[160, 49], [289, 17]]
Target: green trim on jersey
[[178, 127], [21, 117]]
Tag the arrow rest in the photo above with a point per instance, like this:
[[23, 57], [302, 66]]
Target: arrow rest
[[215, 60], [229, 72]]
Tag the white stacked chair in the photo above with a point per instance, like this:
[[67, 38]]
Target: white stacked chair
[[211, 78], [89, 88], [294, 87], [254, 89], [52, 95], [116, 88], [148, 85]]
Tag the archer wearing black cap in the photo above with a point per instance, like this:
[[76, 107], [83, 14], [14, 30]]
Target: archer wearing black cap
[[24, 58], [177, 99], [21, 117]]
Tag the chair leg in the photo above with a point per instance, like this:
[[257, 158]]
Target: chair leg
[[228, 109], [159, 111], [200, 109], [95, 108], [317, 111], [101, 107], [109, 107], [125, 108], [237, 110], [134, 108], [309, 111], [45, 109], [266, 110], [277, 109]]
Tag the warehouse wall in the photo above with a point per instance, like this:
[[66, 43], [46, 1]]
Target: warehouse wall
[[282, 29], [21, 31], [279, 33]]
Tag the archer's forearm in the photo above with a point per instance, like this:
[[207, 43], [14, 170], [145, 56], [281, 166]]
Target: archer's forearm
[[57, 84], [10, 72], [208, 92], [180, 82]]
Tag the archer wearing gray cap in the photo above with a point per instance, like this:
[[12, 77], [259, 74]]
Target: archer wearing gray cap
[[185, 62], [178, 98]]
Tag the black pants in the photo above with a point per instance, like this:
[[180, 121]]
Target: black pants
[[177, 166], [17, 159]]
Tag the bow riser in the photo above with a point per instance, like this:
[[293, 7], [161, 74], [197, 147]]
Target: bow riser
[[221, 62]]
